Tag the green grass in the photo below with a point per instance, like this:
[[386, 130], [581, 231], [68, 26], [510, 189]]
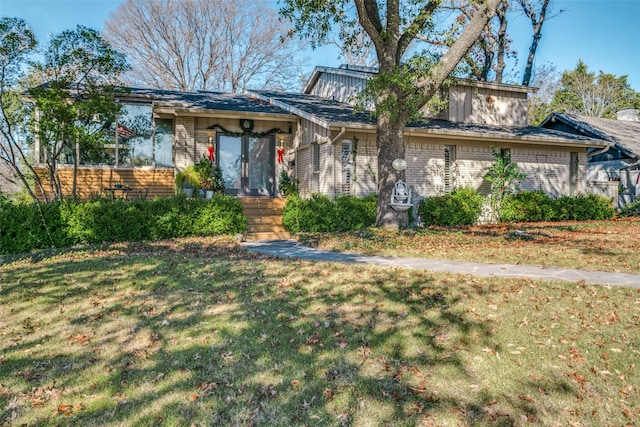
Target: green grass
[[588, 245], [199, 332]]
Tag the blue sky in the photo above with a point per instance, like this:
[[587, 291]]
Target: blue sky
[[605, 34]]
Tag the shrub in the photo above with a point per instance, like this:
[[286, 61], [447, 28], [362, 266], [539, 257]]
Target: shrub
[[584, 207], [24, 227], [630, 209], [461, 207], [528, 206], [353, 213], [321, 214]]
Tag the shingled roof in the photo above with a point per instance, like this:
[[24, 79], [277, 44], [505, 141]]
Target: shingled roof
[[624, 134], [330, 113], [206, 101], [191, 101]]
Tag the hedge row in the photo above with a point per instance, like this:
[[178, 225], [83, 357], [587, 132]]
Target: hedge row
[[321, 214], [532, 206], [460, 207], [463, 207], [23, 229]]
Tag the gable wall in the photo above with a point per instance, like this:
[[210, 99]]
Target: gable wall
[[488, 106], [338, 87]]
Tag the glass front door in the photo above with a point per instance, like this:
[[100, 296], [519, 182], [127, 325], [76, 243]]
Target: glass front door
[[247, 165]]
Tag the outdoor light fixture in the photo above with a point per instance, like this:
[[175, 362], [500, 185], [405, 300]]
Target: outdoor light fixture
[[399, 164]]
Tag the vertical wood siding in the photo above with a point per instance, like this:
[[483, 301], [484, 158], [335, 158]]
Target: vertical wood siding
[[338, 87], [469, 104]]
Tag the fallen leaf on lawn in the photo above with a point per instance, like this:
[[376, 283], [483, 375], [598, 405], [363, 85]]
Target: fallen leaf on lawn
[[525, 398], [65, 410]]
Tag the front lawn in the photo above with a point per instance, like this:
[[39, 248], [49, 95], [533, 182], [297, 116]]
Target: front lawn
[[587, 245], [199, 332]]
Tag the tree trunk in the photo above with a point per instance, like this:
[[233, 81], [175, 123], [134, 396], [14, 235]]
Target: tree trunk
[[390, 145], [501, 13], [537, 35]]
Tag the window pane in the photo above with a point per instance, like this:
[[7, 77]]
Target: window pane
[[260, 166], [164, 142], [230, 160], [135, 142], [100, 149]]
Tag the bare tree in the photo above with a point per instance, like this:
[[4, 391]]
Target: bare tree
[[536, 11], [486, 60], [194, 45]]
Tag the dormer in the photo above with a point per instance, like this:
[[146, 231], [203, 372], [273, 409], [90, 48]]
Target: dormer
[[469, 101]]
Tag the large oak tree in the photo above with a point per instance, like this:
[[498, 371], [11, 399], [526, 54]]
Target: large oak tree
[[407, 81]]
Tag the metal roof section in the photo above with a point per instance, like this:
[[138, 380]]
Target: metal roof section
[[335, 115]]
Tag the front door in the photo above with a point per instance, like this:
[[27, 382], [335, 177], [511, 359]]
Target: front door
[[247, 164]]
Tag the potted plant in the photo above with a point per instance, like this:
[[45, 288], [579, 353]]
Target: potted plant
[[210, 178], [187, 180]]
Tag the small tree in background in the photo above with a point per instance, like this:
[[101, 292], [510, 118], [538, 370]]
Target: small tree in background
[[504, 177], [17, 42], [77, 104]]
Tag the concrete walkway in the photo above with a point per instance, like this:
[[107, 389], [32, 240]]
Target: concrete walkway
[[292, 249]]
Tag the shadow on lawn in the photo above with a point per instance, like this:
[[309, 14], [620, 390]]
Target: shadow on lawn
[[205, 333]]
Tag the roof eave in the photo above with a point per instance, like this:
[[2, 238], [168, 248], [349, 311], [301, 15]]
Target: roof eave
[[225, 114], [509, 139], [291, 109]]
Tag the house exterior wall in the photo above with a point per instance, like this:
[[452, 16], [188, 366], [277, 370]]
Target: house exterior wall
[[547, 169], [337, 86], [487, 106], [91, 182], [304, 172], [551, 171], [184, 142], [325, 176], [313, 132], [366, 169]]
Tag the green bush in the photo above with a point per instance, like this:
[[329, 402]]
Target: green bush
[[461, 207], [584, 207], [25, 227], [532, 206], [630, 209], [528, 206], [321, 214]]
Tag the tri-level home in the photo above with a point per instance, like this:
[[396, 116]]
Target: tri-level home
[[318, 139]]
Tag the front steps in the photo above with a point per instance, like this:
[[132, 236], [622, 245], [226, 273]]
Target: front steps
[[265, 218]]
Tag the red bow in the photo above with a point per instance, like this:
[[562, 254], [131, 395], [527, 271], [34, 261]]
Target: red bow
[[212, 155], [280, 155]]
